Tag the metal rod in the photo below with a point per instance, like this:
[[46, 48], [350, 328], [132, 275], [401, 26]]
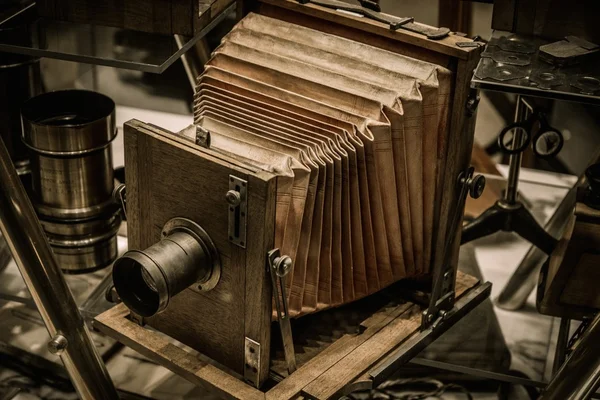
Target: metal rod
[[514, 164], [33, 255], [579, 376], [496, 376], [194, 59], [561, 344]]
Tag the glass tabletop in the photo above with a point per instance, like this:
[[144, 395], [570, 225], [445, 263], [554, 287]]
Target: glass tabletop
[[95, 44]]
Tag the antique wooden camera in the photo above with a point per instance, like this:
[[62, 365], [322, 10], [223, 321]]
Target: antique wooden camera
[[328, 160]]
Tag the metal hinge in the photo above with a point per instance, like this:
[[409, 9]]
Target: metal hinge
[[279, 266], [237, 199]]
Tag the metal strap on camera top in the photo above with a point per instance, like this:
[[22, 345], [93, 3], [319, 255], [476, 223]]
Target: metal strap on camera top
[[279, 266], [395, 23]]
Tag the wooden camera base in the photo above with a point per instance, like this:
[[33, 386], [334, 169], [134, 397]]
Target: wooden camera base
[[379, 334]]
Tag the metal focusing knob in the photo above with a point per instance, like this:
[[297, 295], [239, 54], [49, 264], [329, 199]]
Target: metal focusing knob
[[476, 185], [282, 265], [233, 197]]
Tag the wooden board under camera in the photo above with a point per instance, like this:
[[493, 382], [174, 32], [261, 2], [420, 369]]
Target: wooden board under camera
[[334, 357], [169, 177]]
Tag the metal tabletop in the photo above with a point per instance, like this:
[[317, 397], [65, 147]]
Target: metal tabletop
[[511, 63]]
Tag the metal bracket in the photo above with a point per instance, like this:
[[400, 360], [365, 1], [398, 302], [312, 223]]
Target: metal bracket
[[202, 137], [279, 266], [252, 361], [136, 318], [395, 23], [236, 198], [120, 197], [441, 303]]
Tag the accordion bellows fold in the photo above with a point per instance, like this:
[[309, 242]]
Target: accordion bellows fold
[[356, 137]]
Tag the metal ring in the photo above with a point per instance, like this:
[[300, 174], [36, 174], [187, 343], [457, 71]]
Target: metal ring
[[543, 134], [190, 227], [524, 140]]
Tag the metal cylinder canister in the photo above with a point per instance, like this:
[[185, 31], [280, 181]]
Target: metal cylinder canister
[[68, 134]]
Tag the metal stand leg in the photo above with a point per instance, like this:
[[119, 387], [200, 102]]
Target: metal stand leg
[[71, 339], [561, 344], [522, 282], [579, 377]]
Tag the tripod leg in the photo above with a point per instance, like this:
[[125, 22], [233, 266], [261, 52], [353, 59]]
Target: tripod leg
[[490, 221], [527, 227]]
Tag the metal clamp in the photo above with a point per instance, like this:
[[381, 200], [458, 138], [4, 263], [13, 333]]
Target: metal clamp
[[236, 198], [441, 303], [279, 266]]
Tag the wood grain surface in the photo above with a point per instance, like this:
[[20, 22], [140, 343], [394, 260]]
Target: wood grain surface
[[167, 17], [174, 179]]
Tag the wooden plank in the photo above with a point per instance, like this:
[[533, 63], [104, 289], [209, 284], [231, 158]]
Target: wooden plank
[[181, 17], [525, 16], [445, 46], [115, 323], [457, 159], [206, 10], [138, 14], [311, 370], [161, 17], [455, 15], [46, 8], [329, 384], [355, 34], [503, 16], [260, 237], [106, 12]]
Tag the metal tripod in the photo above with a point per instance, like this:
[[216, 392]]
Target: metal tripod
[[509, 214]]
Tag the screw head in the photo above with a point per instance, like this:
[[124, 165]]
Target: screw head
[[233, 197], [58, 344], [282, 265], [476, 186]]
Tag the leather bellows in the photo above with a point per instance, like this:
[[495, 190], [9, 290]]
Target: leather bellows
[[357, 138]]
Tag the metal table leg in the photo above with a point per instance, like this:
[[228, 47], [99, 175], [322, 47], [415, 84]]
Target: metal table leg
[[33, 255], [579, 376]]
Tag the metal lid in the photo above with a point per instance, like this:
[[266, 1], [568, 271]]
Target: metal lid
[[68, 122]]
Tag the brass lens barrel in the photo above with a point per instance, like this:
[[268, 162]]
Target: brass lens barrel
[[147, 280]]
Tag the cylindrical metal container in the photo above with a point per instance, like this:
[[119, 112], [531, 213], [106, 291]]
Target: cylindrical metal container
[[84, 246], [68, 134]]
